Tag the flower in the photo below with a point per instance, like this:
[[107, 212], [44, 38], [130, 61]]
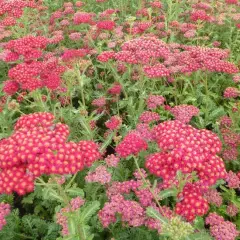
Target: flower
[[131, 144], [100, 175]]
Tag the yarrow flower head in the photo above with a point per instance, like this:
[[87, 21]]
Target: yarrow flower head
[[221, 229], [114, 123], [39, 146], [154, 101], [100, 175], [231, 92], [131, 144], [184, 113], [147, 117], [112, 160]]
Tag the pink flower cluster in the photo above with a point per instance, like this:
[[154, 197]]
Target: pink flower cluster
[[231, 139], [213, 197], [100, 175], [112, 160], [4, 211], [174, 58], [231, 92], [220, 229], [62, 219], [154, 101], [39, 146], [184, 113], [132, 212], [147, 117]]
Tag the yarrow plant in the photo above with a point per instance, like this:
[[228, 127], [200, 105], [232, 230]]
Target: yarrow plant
[[118, 120]]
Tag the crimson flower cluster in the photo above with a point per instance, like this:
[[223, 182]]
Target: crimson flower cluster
[[131, 144], [28, 47], [13, 10], [39, 146]]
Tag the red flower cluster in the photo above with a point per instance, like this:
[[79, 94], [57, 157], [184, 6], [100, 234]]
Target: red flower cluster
[[106, 25], [114, 122], [71, 54], [38, 146], [192, 204], [12, 10], [29, 47], [131, 144], [105, 56], [187, 149], [33, 75]]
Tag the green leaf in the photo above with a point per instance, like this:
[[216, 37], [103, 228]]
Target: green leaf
[[172, 192], [89, 210], [199, 236], [151, 212], [75, 192]]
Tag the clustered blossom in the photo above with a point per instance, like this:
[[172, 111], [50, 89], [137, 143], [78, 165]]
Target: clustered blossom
[[131, 144], [114, 123], [33, 75], [29, 47], [232, 210], [221, 229], [39, 146], [147, 117], [132, 212], [192, 203], [12, 10], [175, 58], [154, 101], [5, 209], [100, 175], [233, 180], [213, 197], [115, 89], [184, 113], [99, 102], [231, 92], [61, 217], [186, 149], [106, 56], [112, 160]]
